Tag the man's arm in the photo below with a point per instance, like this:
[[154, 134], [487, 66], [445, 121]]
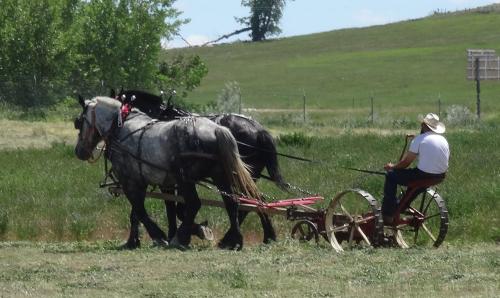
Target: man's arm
[[407, 159]]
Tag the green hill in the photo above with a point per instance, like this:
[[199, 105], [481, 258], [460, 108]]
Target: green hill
[[405, 66]]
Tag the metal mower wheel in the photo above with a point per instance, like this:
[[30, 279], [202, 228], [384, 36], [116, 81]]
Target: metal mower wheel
[[432, 227], [353, 220], [305, 231]]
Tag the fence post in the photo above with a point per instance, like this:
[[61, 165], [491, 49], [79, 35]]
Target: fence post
[[371, 113], [304, 104], [239, 103], [439, 105], [478, 88]]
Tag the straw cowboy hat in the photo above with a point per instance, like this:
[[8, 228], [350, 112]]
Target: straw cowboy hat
[[432, 122]]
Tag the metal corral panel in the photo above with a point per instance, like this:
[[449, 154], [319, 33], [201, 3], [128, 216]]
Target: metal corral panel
[[487, 62]]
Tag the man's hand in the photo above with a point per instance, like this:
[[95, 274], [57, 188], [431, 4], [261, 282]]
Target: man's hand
[[388, 166]]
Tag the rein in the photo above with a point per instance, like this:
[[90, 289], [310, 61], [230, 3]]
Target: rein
[[278, 153]]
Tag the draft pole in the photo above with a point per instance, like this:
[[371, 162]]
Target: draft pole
[[304, 104]]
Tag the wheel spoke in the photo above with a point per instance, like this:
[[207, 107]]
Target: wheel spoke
[[301, 231], [339, 228], [428, 232], [351, 237], [415, 237], [364, 220], [309, 233], [431, 216], [424, 211], [424, 195], [345, 211], [363, 235]]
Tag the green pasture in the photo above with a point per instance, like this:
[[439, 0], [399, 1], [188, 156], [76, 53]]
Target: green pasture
[[406, 67], [48, 194]]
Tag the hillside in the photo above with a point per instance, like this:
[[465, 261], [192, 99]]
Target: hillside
[[406, 65]]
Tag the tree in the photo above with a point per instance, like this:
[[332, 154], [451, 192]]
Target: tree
[[262, 22], [118, 42], [264, 17], [32, 54], [181, 73], [49, 47]]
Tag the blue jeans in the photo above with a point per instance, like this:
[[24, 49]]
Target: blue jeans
[[392, 180]]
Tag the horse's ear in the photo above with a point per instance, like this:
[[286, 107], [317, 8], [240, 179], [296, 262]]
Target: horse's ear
[[81, 101], [112, 93]]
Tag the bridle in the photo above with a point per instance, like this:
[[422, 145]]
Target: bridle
[[92, 129]]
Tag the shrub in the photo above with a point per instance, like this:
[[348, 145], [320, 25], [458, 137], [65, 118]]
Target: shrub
[[459, 115], [229, 98]]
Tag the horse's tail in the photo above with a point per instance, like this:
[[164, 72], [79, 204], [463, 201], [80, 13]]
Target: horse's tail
[[236, 170], [266, 142]]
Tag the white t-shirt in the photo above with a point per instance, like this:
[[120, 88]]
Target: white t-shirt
[[433, 152]]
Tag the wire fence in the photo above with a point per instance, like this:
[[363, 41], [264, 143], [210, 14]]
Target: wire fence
[[302, 104]]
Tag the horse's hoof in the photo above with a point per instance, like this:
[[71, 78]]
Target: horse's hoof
[[162, 243], [130, 245], [205, 233], [230, 246], [174, 243]]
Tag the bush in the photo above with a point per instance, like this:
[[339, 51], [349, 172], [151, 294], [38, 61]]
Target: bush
[[459, 116], [230, 98]]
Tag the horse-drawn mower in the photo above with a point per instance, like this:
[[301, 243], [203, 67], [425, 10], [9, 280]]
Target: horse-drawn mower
[[353, 218]]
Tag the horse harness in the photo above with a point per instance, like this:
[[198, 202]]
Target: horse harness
[[115, 145]]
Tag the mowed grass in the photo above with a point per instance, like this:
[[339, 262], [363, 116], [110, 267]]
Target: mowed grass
[[284, 269], [409, 64]]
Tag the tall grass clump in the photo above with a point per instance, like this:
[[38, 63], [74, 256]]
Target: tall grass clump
[[297, 139]]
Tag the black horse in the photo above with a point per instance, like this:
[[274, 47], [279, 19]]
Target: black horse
[[255, 145], [181, 152]]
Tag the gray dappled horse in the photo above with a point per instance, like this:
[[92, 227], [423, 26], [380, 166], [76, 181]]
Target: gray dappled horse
[[182, 152], [255, 145]]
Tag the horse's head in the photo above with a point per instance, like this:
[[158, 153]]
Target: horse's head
[[94, 123]]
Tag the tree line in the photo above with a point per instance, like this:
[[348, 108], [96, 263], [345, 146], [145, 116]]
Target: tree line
[[51, 49]]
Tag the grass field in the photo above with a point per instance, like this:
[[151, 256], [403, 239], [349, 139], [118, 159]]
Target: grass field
[[59, 231], [48, 194], [284, 269]]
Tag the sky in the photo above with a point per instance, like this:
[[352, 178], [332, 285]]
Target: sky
[[211, 19]]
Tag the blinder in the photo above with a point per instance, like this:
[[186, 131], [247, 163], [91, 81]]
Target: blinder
[[78, 122]]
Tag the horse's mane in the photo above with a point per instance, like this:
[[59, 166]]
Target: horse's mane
[[145, 96]]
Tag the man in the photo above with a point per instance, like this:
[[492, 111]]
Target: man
[[433, 153]]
